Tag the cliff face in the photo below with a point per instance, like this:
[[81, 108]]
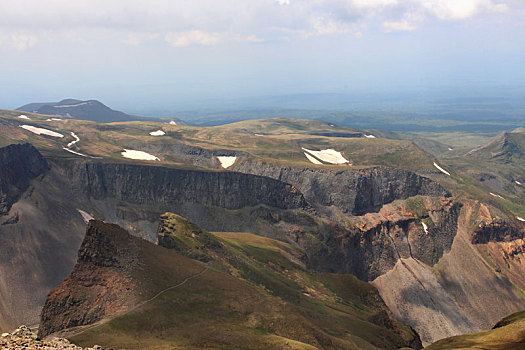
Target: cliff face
[[100, 283], [18, 165], [353, 192], [376, 241], [497, 230], [149, 184]]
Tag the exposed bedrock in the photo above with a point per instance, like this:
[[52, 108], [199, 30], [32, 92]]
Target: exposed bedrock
[[373, 243], [150, 184], [19, 163], [497, 230], [352, 191], [101, 282]]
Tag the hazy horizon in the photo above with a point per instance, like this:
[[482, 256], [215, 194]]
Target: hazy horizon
[[171, 55]]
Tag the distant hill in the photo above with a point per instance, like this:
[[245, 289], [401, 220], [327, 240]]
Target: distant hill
[[506, 146], [77, 109]]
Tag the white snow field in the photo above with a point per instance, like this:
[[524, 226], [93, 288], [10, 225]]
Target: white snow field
[[22, 116], [441, 169], [517, 182], [312, 159], [520, 218], [67, 106], [172, 122], [140, 155], [226, 161], [54, 120], [157, 133], [370, 136], [327, 155], [74, 141], [41, 131], [85, 216], [496, 195], [425, 227]]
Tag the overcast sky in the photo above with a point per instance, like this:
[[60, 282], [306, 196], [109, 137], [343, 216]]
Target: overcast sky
[[166, 52]]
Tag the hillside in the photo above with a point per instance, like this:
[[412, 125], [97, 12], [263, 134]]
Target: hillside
[[381, 209], [77, 109], [146, 296], [506, 334]]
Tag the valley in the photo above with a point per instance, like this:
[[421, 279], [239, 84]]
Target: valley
[[280, 233]]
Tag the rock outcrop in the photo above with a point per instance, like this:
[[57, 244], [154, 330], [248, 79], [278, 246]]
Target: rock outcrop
[[23, 338], [372, 244], [497, 230], [19, 163], [101, 282], [353, 192], [149, 184]]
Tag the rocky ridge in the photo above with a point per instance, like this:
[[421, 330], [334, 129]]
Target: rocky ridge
[[16, 174], [23, 338], [354, 192], [103, 272]]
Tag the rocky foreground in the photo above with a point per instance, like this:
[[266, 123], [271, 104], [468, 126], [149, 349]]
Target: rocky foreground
[[24, 338]]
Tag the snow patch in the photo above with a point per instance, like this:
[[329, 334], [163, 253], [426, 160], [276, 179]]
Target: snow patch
[[22, 116], [312, 159], [496, 195], [441, 169], [74, 141], [450, 149], [227, 161], [172, 122], [332, 125], [41, 131], [520, 218], [54, 120], [67, 106], [517, 182], [140, 155], [370, 136], [85, 216], [157, 133], [425, 227], [327, 155]]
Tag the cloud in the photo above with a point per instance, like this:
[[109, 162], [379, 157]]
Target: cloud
[[201, 22], [17, 40], [136, 39], [193, 37], [397, 26]]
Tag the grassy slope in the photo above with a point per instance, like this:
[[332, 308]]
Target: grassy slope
[[507, 334], [283, 145], [253, 296]]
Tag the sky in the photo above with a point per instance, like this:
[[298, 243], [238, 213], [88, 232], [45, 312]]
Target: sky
[[168, 54]]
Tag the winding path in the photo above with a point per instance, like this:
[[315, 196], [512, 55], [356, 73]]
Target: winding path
[[101, 322]]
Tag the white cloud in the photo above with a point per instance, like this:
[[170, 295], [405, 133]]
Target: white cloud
[[27, 23], [22, 41], [461, 9], [397, 26], [193, 37], [135, 39]]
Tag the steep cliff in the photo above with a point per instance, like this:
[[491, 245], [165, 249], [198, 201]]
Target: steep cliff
[[353, 192], [420, 227], [101, 282], [148, 184], [18, 165]]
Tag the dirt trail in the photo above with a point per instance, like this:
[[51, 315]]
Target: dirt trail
[[68, 334]]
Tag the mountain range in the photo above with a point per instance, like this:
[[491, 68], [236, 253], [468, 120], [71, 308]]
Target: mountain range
[[276, 233]]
